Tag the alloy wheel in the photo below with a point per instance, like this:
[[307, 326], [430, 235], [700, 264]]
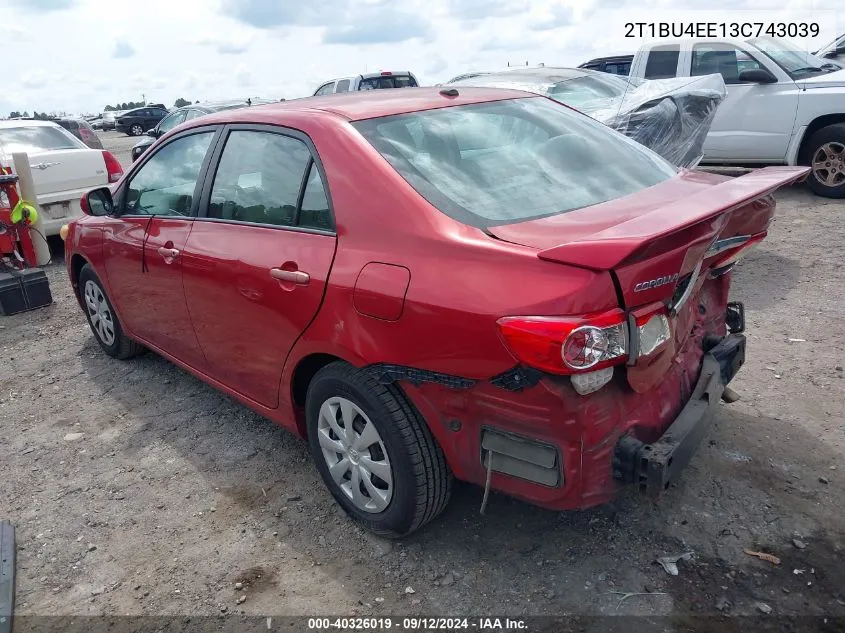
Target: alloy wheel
[[355, 454], [829, 164], [136, 130], [99, 312]]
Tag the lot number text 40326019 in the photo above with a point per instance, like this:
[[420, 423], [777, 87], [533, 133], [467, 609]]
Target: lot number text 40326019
[[420, 624], [721, 29]]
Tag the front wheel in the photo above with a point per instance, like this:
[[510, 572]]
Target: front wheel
[[827, 161], [102, 318], [375, 452]]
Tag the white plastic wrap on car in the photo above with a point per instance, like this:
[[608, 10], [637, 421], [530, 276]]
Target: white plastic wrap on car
[[670, 116]]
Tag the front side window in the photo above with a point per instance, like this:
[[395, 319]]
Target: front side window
[[259, 178], [662, 62], [502, 162], [721, 59], [165, 184], [325, 89], [343, 85], [170, 122]]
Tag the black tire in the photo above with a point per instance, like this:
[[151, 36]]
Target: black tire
[[136, 129], [422, 482], [122, 346], [831, 134]]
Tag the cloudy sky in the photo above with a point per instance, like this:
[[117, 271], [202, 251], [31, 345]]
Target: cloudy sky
[[79, 55]]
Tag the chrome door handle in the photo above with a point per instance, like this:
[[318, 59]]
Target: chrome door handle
[[168, 252], [296, 276]]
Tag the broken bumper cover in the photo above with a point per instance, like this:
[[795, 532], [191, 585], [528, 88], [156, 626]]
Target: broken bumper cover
[[652, 467]]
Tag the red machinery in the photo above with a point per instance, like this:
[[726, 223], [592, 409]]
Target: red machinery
[[15, 239]]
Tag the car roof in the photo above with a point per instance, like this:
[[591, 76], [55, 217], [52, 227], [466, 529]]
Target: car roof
[[547, 74], [27, 123], [369, 104]]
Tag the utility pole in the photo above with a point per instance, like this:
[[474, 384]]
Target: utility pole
[[144, 98]]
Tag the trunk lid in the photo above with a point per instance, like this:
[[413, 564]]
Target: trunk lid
[[67, 170], [651, 241]]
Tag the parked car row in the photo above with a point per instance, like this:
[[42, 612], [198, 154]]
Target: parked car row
[[63, 167], [186, 113], [784, 106]]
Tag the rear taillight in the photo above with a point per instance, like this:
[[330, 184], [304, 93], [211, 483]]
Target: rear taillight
[[586, 348], [652, 332], [568, 345], [113, 167]]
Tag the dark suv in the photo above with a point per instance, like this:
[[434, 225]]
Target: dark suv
[[137, 121], [186, 113]]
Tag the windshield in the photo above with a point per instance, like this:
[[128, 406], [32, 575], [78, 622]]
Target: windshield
[[37, 138], [507, 161], [796, 62], [582, 90]]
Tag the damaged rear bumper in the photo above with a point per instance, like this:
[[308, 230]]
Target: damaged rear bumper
[[653, 467]]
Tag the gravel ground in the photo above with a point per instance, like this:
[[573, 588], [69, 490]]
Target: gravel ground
[[119, 144], [137, 489]]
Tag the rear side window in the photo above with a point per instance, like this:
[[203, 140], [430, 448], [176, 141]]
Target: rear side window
[[662, 62], [508, 161], [618, 68], [37, 139], [404, 81], [259, 178]]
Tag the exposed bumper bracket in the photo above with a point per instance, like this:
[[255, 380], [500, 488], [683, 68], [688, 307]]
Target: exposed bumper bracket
[[652, 467]]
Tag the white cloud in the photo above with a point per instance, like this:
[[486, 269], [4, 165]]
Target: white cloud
[[275, 48]]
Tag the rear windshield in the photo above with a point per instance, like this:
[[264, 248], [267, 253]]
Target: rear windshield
[[387, 81], [507, 161], [37, 139]]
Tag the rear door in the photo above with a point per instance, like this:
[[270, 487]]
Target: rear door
[[143, 245], [257, 260]]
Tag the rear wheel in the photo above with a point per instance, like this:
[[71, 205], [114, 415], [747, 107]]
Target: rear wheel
[[826, 157], [136, 129], [374, 451], [102, 318]]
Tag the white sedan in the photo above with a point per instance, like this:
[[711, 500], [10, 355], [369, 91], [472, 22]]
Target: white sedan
[[63, 167]]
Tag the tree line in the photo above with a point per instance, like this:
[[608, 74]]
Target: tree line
[[119, 107]]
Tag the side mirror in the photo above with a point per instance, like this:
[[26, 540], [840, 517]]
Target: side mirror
[[153, 133], [97, 202], [757, 76]]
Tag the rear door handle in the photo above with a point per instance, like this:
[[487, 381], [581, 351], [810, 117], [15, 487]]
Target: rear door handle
[[171, 253], [296, 276]]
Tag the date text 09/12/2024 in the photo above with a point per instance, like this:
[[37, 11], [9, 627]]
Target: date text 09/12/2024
[[419, 624], [721, 29]]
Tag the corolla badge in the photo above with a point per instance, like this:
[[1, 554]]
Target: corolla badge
[[656, 283]]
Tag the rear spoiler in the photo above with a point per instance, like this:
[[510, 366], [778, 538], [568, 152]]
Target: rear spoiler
[[609, 248]]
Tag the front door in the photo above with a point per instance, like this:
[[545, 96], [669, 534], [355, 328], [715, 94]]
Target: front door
[[257, 260], [755, 121], [143, 246]]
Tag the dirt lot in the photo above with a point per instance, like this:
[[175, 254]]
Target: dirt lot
[[120, 145], [137, 489]]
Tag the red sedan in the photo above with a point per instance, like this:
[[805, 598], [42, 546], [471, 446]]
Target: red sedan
[[428, 284]]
